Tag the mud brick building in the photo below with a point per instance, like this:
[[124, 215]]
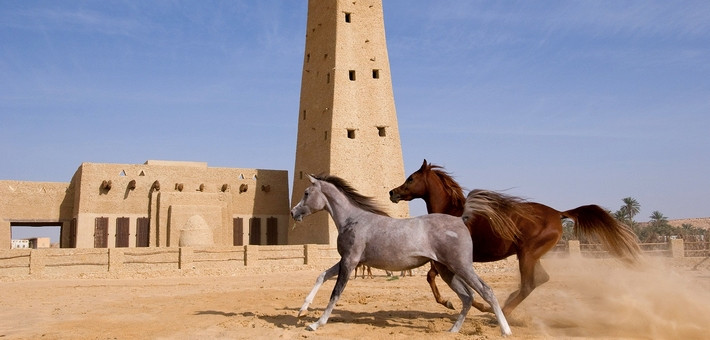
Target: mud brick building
[[156, 204]]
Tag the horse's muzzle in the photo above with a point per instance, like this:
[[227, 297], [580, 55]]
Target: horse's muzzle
[[296, 216], [297, 213], [394, 197]]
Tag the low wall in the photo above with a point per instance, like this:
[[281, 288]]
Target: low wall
[[127, 262], [131, 262], [676, 248]]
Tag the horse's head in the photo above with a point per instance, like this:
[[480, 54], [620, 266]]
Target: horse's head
[[313, 201], [415, 186]]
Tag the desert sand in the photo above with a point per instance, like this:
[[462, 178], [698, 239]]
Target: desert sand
[[662, 299]]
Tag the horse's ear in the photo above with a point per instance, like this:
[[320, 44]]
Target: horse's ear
[[424, 165], [312, 179]]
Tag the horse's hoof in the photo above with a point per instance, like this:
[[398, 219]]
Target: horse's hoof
[[312, 327], [302, 312], [449, 305], [454, 329]]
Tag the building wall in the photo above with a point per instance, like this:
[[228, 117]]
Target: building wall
[[33, 203], [347, 123], [167, 193]]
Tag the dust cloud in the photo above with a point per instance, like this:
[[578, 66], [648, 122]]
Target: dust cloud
[[608, 299]]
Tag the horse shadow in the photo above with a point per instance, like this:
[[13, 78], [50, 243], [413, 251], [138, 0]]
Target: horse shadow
[[283, 320], [287, 317], [215, 312], [378, 319]]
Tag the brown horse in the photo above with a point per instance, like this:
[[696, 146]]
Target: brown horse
[[503, 225]]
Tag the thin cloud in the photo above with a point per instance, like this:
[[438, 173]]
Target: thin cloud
[[72, 20]]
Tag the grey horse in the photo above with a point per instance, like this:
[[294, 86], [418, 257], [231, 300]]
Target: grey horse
[[366, 235]]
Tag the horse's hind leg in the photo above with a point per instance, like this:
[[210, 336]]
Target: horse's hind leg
[[446, 274], [469, 276], [541, 275], [464, 293], [531, 275], [431, 278], [324, 276]]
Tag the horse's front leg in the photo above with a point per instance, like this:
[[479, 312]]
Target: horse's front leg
[[343, 276], [324, 276], [431, 278]]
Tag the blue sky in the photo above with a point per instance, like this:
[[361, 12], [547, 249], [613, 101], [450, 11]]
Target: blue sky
[[562, 102]]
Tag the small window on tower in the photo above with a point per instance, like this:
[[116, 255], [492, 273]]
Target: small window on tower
[[381, 131], [375, 74], [347, 17], [351, 74], [304, 114], [351, 133]]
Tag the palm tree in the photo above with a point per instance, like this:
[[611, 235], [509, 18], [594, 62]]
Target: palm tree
[[657, 219], [630, 208], [658, 225], [687, 230]]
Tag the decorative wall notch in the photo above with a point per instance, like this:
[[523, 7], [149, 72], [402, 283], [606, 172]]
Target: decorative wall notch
[[106, 185], [243, 188]]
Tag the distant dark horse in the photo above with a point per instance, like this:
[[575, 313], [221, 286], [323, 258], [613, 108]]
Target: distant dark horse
[[363, 268], [367, 236], [503, 225]]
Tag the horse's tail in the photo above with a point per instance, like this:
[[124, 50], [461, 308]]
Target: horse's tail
[[498, 209], [594, 221]]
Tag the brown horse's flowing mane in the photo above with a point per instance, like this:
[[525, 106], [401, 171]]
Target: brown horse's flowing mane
[[364, 202], [499, 209], [451, 186]]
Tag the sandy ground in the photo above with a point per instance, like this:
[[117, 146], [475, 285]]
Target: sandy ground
[[665, 299]]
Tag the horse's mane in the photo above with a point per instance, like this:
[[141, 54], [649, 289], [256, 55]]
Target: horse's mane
[[499, 209], [451, 186], [364, 202]]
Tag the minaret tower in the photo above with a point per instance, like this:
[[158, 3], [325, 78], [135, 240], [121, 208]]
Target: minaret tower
[[347, 122]]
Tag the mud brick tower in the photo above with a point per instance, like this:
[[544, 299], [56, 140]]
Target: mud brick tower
[[347, 122]]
